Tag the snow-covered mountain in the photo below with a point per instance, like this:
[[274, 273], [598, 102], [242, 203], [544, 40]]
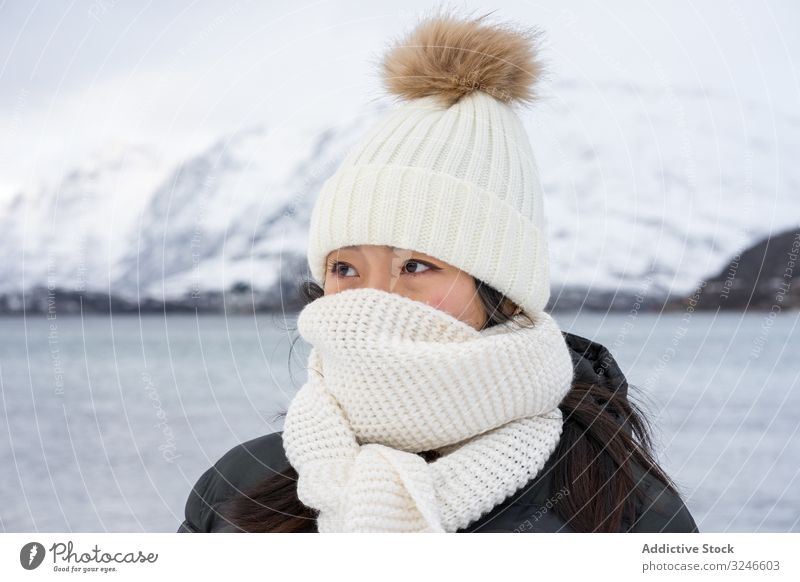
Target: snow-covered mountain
[[650, 188]]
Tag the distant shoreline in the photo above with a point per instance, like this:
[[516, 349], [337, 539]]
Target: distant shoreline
[[55, 303]]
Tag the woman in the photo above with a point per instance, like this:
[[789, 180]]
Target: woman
[[441, 397]]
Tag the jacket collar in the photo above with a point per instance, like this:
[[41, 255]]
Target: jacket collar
[[595, 364]]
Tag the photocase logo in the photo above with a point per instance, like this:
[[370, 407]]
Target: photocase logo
[[31, 555], [67, 559]]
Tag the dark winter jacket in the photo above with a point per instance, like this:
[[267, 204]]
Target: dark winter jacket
[[531, 510]]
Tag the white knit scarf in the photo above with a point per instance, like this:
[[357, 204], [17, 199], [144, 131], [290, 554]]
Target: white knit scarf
[[390, 377]]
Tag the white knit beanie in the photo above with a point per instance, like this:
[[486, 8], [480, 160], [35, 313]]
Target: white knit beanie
[[450, 172]]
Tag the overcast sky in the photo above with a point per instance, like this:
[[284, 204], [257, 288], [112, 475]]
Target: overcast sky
[[79, 76]]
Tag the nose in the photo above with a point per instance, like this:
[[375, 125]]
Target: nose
[[382, 280], [386, 276]]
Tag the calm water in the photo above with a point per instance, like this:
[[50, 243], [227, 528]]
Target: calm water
[[108, 422]]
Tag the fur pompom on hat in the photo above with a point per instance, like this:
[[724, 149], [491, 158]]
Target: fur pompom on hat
[[450, 171], [450, 58]]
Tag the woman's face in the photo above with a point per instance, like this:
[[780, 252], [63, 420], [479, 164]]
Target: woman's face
[[414, 275]]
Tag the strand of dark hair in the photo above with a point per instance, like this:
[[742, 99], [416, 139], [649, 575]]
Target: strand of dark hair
[[593, 459]]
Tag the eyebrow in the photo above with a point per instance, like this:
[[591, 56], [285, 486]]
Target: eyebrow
[[357, 248]]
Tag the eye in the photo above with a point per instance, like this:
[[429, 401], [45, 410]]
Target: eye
[[336, 267], [415, 270]]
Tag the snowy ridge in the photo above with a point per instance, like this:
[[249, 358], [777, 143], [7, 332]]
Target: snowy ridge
[[642, 184]]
